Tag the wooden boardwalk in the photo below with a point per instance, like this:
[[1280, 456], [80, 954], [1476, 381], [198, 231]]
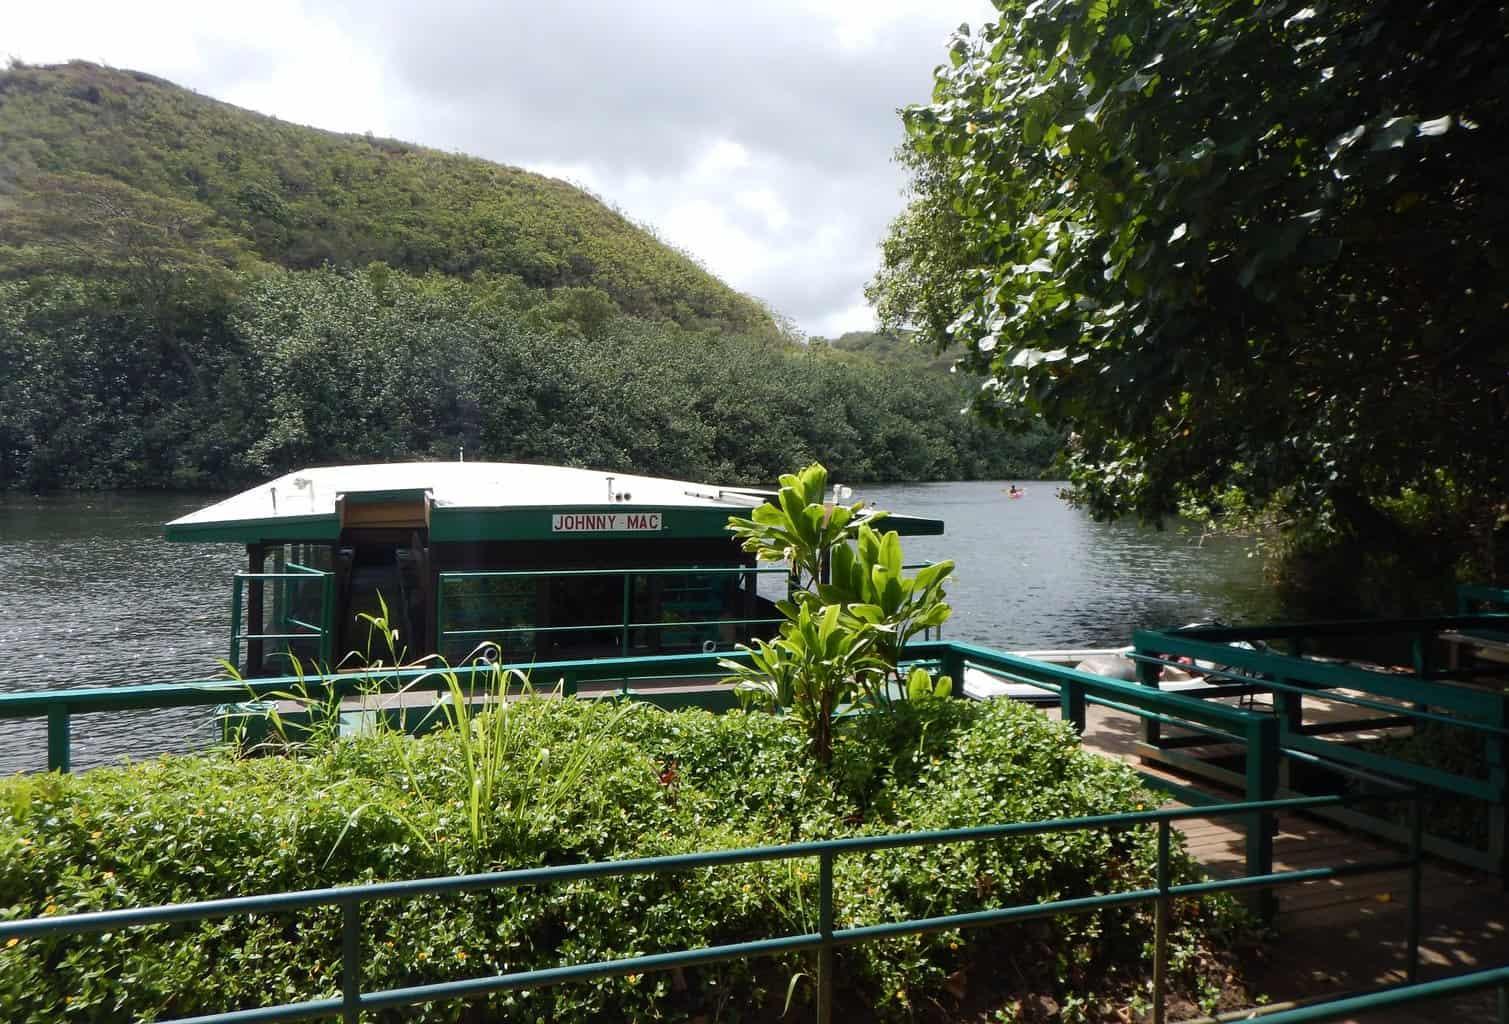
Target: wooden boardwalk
[[1336, 936]]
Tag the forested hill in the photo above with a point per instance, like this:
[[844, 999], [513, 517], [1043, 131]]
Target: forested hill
[[193, 296], [82, 146]]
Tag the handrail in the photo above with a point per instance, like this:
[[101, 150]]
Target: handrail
[[351, 898], [599, 627], [1259, 733], [1468, 593], [1189, 708], [1399, 995], [687, 570], [626, 626], [1398, 710], [1332, 627], [1325, 674], [1421, 699], [291, 572]]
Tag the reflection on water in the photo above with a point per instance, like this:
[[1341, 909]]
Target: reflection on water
[[1034, 573], [90, 594]]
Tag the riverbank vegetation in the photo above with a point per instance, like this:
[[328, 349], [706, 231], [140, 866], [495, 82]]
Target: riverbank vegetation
[[196, 296], [1236, 249], [387, 806]]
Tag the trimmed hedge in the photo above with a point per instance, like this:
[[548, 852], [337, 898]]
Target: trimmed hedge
[[386, 807]]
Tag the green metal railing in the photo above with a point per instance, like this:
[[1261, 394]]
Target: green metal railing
[[625, 626], [1389, 699], [1401, 995], [288, 628], [1258, 733], [60, 707], [353, 1001], [1473, 598]]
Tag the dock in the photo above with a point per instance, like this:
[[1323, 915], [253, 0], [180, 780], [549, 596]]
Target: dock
[[1343, 935]]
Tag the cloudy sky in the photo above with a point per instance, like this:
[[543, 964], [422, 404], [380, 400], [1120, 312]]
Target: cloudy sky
[[758, 137]]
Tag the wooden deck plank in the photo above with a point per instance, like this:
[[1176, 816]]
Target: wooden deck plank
[[1359, 901]]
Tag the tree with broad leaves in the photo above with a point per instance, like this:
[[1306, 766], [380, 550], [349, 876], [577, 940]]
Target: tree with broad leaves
[[1226, 243]]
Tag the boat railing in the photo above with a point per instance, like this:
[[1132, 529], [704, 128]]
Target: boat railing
[[828, 936], [472, 634], [290, 626]]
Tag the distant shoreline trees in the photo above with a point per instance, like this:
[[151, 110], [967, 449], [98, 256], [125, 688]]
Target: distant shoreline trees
[[288, 368]]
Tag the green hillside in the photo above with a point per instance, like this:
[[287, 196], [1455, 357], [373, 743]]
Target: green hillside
[[894, 348], [194, 296], [85, 150]]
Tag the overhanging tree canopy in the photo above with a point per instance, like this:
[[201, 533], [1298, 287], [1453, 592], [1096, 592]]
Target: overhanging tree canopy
[[1225, 242]]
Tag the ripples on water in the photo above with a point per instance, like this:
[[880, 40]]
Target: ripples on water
[[91, 595]]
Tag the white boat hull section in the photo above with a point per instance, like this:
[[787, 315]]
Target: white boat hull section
[[982, 683]]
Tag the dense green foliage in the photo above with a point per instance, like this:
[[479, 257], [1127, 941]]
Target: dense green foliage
[[195, 296], [1228, 244], [385, 806], [319, 367], [898, 347], [850, 610]]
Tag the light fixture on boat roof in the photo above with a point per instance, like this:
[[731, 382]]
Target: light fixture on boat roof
[[617, 495]]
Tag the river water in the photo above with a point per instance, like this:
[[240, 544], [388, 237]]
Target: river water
[[91, 595]]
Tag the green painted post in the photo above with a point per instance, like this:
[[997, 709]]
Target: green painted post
[[1262, 783], [1416, 854], [1423, 649], [327, 622], [351, 962], [1160, 924], [256, 620], [953, 666], [280, 602], [1147, 675], [59, 738], [825, 930], [234, 658], [1288, 711], [628, 614], [628, 610], [1498, 778], [440, 630], [1071, 700]]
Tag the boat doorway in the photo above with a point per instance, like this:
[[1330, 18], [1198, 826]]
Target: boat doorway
[[379, 572]]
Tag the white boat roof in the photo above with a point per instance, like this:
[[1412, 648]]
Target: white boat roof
[[470, 500], [464, 485]]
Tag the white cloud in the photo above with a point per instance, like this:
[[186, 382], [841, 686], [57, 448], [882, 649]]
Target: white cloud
[[758, 138]]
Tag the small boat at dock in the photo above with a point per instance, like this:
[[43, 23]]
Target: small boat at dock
[[527, 562]]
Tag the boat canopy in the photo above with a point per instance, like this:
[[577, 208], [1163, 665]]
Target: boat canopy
[[479, 501]]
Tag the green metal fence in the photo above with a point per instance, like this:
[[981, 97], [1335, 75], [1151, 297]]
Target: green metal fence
[[1401, 995], [353, 1001], [1387, 700], [320, 691], [1257, 733], [449, 599], [293, 621], [1475, 598]]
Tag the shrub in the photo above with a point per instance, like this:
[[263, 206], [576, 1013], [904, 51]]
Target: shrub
[[386, 806]]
